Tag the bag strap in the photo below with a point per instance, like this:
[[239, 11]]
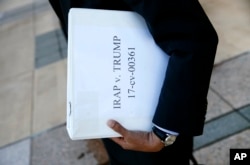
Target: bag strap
[[192, 158]]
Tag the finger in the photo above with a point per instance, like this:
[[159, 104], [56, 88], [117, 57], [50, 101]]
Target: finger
[[117, 127], [121, 142], [118, 140]]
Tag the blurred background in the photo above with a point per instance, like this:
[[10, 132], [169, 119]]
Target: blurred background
[[33, 64]]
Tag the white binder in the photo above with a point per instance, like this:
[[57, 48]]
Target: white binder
[[115, 71]]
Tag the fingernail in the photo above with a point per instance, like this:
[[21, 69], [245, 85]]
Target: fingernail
[[111, 123]]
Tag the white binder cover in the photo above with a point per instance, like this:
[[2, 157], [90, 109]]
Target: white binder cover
[[115, 71]]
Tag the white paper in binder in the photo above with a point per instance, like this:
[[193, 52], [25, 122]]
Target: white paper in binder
[[115, 71]]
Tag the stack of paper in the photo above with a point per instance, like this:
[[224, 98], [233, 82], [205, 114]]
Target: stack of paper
[[115, 71]]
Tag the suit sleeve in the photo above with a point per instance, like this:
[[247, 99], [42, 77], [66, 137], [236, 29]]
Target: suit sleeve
[[182, 29]]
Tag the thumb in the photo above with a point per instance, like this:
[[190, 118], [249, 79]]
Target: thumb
[[117, 127]]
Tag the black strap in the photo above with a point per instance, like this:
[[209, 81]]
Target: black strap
[[192, 158]]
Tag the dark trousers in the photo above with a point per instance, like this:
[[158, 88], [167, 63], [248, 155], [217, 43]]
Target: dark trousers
[[178, 153]]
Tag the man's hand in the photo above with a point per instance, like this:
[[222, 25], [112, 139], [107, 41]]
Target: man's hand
[[135, 140]]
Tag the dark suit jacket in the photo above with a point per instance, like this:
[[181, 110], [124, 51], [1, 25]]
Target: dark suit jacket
[[182, 29]]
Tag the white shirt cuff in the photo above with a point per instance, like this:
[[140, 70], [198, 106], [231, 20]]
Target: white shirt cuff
[[167, 131]]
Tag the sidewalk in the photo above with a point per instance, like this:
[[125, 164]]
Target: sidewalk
[[33, 64]]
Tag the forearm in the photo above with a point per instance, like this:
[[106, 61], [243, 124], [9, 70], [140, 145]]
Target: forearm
[[183, 31]]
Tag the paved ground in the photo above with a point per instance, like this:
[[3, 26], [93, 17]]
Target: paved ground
[[33, 63]]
